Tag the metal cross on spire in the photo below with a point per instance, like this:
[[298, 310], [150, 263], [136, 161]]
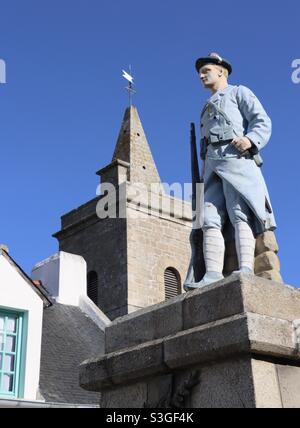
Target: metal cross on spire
[[130, 87]]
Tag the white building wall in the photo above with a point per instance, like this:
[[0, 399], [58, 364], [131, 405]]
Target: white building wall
[[64, 276], [16, 294], [72, 278], [47, 271]]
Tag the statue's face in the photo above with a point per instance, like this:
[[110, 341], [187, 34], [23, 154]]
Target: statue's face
[[209, 75]]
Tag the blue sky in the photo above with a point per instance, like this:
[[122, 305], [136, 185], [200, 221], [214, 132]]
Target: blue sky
[[62, 106]]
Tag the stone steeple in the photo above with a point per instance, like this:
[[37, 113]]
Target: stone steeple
[[132, 149], [144, 237]]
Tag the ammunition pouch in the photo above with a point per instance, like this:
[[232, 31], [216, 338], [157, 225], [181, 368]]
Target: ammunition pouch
[[203, 147]]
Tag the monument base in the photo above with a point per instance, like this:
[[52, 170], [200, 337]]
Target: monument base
[[231, 344]]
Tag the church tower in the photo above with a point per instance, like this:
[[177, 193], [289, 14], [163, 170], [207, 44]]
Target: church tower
[[140, 256]]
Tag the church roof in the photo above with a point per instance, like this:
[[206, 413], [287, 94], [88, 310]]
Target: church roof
[[69, 337]]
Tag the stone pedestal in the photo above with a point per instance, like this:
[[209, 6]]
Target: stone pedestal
[[231, 344]]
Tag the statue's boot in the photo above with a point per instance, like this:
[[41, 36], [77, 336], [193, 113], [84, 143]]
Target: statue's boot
[[213, 250], [245, 247]]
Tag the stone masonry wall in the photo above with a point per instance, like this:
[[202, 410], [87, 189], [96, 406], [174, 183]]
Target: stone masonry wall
[[154, 244]]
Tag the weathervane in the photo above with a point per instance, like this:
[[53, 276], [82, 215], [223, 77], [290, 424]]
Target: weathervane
[[129, 88]]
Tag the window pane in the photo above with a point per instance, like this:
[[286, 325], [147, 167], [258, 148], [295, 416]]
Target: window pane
[[1, 323], [9, 362], [7, 383], [11, 324], [1, 342], [10, 344], [10, 336]]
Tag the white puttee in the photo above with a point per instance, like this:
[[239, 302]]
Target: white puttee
[[214, 250], [245, 245]]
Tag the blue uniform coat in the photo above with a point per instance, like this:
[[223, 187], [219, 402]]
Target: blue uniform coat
[[235, 111]]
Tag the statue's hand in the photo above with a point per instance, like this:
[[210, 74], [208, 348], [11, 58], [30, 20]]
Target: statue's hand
[[242, 143]]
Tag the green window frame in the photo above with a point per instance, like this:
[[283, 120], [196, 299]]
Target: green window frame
[[11, 335]]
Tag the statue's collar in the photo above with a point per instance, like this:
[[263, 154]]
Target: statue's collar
[[221, 92]]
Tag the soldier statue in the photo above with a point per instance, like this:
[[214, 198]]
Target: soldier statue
[[234, 129]]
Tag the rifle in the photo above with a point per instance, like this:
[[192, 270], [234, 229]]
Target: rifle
[[196, 268], [195, 167], [197, 182]]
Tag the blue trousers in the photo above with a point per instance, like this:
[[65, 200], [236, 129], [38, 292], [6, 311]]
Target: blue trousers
[[221, 200]]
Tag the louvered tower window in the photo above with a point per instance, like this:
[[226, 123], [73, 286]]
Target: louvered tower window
[[172, 283], [92, 286]]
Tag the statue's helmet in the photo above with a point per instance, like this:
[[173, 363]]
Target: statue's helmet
[[213, 58]]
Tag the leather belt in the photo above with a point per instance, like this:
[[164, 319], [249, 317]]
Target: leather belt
[[246, 154], [220, 142], [217, 143]]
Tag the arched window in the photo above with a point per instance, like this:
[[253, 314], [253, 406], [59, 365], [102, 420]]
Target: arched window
[[172, 283], [92, 286]]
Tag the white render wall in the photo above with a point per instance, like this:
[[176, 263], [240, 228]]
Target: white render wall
[[47, 271], [64, 277], [16, 294]]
